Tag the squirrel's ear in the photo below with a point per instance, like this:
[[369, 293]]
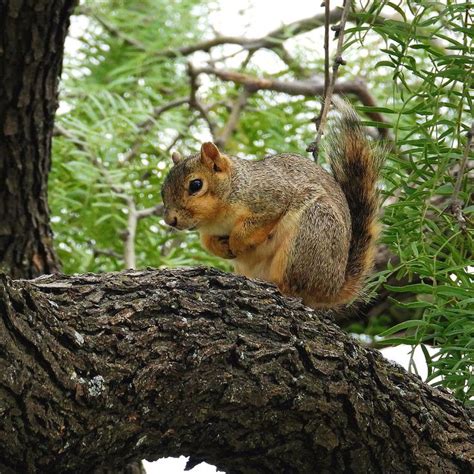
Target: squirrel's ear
[[212, 158], [176, 157]]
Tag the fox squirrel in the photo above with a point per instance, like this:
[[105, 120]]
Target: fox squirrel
[[285, 219]]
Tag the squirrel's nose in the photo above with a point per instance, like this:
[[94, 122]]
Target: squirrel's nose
[[171, 220]]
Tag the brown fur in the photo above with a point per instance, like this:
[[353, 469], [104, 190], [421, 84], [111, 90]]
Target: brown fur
[[285, 219]]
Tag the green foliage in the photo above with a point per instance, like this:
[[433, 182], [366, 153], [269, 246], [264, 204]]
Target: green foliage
[[428, 51], [110, 91], [110, 144]]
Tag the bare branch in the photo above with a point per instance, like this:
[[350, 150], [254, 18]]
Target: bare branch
[[128, 235], [307, 88], [151, 211], [272, 40], [326, 47], [327, 77]]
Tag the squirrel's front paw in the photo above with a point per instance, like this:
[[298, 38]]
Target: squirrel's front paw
[[223, 243], [247, 241], [218, 245]]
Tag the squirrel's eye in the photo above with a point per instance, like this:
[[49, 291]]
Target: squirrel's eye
[[194, 186]]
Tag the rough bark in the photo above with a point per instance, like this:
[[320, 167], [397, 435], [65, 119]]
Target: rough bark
[[107, 369], [32, 36]]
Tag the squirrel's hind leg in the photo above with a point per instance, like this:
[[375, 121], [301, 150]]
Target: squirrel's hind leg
[[317, 258]]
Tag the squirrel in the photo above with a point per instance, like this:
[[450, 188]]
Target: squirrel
[[285, 219]]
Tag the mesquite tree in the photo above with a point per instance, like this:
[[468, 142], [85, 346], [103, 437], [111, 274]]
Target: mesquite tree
[[134, 96], [97, 371]]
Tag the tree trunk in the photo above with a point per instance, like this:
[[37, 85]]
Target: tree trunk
[[32, 34], [99, 370]]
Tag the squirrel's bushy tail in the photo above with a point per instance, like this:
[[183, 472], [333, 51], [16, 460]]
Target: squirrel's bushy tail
[[355, 162]]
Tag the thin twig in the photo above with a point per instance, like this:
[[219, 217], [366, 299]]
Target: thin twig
[[147, 125], [233, 120], [129, 234], [338, 61], [236, 108], [327, 76], [194, 101], [151, 211], [412, 368], [456, 204], [114, 31], [227, 56]]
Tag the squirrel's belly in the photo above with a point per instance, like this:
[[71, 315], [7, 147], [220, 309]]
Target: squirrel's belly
[[257, 262], [268, 261]]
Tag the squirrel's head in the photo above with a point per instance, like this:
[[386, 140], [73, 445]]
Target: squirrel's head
[[195, 189]]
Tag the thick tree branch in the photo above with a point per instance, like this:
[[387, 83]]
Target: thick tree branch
[[105, 369], [31, 50]]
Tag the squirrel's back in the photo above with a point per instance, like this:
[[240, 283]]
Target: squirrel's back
[[285, 179]]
